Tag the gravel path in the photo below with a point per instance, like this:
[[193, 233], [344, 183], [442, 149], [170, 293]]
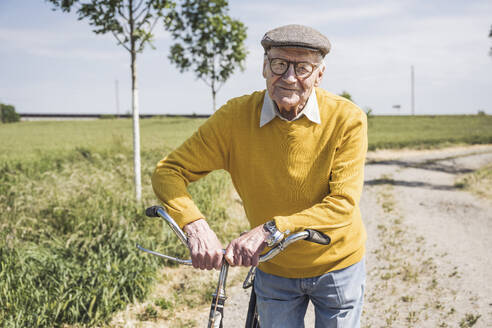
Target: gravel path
[[428, 243]]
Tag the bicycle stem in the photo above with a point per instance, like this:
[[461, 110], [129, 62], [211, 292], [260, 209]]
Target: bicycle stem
[[219, 298]]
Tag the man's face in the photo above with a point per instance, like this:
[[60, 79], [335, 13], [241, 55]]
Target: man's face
[[289, 91]]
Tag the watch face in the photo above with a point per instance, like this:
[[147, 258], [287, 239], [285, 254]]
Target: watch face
[[270, 225]]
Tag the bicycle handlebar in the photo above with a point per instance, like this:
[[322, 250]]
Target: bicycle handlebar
[[308, 235]]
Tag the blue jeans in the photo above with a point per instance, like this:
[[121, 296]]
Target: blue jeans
[[337, 297]]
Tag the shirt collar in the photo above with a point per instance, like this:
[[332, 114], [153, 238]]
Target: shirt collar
[[269, 110]]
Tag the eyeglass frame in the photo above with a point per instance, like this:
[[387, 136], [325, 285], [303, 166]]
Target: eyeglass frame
[[294, 63]]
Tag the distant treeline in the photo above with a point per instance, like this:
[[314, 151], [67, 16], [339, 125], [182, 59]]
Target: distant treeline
[[107, 116]]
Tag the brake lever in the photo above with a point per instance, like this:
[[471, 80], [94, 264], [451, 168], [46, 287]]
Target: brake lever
[[167, 257], [158, 211]]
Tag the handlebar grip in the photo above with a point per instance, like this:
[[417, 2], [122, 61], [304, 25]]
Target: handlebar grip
[[318, 237], [152, 211]]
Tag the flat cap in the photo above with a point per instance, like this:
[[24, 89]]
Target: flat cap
[[298, 36]]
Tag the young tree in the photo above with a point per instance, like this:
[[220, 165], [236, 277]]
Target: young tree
[[208, 41], [347, 95], [131, 22]]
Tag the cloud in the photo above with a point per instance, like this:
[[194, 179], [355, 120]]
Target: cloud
[[80, 44]]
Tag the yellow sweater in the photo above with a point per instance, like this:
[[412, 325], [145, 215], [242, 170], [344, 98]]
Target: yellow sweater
[[299, 173]]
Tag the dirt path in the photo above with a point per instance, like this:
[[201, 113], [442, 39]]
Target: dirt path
[[428, 242], [428, 247]]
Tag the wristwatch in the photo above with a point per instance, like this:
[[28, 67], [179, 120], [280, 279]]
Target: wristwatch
[[275, 235]]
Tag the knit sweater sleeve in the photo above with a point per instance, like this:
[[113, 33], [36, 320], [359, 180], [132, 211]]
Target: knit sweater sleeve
[[206, 150], [336, 209]]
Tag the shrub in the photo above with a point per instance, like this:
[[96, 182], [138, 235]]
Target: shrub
[[8, 114], [346, 95]]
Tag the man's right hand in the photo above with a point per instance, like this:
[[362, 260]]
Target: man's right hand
[[205, 248]]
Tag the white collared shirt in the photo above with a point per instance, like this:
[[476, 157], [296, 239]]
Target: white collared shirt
[[270, 110]]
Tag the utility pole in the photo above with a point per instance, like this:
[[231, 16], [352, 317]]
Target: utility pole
[[117, 98], [412, 87]]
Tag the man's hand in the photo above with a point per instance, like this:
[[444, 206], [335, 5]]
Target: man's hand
[[246, 249], [205, 247]]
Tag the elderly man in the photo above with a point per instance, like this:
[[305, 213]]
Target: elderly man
[[295, 153]]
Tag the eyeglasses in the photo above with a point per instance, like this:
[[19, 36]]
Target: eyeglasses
[[303, 70]]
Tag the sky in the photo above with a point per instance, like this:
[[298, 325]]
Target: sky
[[50, 62]]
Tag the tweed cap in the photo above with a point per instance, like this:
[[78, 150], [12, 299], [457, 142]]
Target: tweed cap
[[298, 36]]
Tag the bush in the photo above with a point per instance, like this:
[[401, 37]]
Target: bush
[[346, 95], [8, 114]]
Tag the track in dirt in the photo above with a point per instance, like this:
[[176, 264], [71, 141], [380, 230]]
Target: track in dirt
[[428, 241]]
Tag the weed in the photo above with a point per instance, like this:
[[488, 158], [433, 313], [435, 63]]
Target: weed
[[469, 320], [477, 182], [388, 206], [150, 313], [453, 274], [164, 303], [409, 273], [407, 299], [412, 317], [386, 276]]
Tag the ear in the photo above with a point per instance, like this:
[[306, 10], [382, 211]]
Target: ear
[[319, 77]]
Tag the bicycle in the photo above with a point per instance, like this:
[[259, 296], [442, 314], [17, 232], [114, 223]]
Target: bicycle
[[216, 316]]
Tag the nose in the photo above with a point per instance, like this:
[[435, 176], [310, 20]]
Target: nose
[[290, 74]]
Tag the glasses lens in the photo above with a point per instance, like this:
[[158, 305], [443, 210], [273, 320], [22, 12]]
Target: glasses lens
[[303, 69], [279, 66]]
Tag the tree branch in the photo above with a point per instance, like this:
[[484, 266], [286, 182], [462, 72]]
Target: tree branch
[[206, 82], [117, 38], [220, 86], [140, 46], [124, 22], [121, 14], [137, 6], [147, 10]]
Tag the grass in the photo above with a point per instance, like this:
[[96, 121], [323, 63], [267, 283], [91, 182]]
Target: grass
[[69, 225], [469, 320], [428, 131], [31, 140], [478, 182], [34, 139], [68, 222]]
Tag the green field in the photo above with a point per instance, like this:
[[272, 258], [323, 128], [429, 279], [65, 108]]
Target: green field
[[69, 224], [428, 131]]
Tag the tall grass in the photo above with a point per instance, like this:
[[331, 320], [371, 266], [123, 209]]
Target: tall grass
[[68, 229]]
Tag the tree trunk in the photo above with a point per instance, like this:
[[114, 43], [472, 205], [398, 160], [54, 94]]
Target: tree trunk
[[214, 93], [136, 132], [136, 116]]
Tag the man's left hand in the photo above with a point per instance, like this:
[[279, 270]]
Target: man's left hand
[[246, 249]]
